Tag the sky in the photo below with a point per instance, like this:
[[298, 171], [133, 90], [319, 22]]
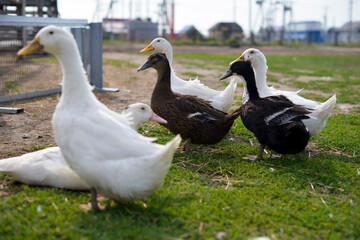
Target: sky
[[203, 14]]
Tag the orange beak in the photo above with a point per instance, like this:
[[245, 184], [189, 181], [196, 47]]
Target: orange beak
[[241, 58], [33, 46], [147, 49]]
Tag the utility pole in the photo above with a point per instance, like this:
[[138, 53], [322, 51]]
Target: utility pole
[[172, 33], [286, 7], [250, 24], [350, 22]]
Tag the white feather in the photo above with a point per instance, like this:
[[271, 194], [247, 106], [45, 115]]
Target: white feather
[[97, 143]]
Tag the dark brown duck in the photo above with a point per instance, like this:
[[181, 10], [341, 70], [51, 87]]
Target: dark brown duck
[[191, 117]]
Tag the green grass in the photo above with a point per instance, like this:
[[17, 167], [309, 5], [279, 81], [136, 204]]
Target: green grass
[[119, 63], [192, 74], [213, 189], [343, 70], [13, 85], [39, 147]]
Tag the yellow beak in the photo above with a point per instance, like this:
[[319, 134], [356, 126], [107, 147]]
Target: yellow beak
[[33, 46], [148, 48], [241, 58]]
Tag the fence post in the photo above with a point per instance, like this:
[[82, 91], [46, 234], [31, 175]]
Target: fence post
[[96, 37]]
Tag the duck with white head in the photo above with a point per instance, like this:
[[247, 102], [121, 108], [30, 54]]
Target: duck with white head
[[97, 143]]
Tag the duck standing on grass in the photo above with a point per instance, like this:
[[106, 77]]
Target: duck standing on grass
[[47, 167], [321, 111], [220, 100], [275, 121], [191, 117], [97, 143]]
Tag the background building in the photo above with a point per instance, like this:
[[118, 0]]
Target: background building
[[226, 30], [305, 31]]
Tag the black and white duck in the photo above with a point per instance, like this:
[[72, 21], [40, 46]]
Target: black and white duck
[[275, 121], [321, 111], [191, 117]]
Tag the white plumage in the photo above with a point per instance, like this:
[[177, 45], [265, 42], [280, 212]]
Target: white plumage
[[97, 143], [320, 111], [48, 167], [220, 100]]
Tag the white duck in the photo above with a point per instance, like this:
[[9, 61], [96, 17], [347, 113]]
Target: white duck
[[220, 100], [320, 111], [48, 167], [97, 143]]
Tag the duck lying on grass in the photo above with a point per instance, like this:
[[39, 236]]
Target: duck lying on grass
[[191, 117], [220, 100], [321, 111], [97, 143], [275, 121], [48, 167]]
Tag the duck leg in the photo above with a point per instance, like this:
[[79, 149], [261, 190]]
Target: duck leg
[[94, 203], [260, 153], [186, 146]]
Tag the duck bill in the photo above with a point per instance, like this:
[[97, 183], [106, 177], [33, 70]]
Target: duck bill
[[226, 75], [148, 48], [32, 47], [158, 119], [144, 66], [241, 58]]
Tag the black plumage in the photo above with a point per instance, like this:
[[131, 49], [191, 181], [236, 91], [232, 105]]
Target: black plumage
[[275, 120], [191, 117]]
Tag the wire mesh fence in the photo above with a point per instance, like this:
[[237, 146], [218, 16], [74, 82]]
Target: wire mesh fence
[[40, 74], [27, 74]]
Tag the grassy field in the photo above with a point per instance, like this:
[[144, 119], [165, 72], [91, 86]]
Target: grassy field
[[213, 193]]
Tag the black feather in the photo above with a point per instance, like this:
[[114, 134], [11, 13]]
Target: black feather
[[275, 121]]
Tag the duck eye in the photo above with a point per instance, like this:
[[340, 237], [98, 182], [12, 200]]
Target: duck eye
[[158, 40], [252, 52], [51, 32], [142, 108]]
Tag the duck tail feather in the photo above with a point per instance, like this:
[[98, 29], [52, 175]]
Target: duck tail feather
[[235, 114], [324, 110], [298, 91], [230, 89]]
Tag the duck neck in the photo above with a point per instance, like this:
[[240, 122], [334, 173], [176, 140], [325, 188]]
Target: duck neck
[[169, 54], [260, 77], [163, 86], [75, 86], [250, 85]]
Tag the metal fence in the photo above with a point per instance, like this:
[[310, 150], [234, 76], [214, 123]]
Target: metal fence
[[40, 75]]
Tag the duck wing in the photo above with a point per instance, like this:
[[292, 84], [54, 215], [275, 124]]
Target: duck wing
[[285, 111], [198, 108], [106, 137]]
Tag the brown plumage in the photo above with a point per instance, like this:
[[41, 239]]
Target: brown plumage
[[191, 117]]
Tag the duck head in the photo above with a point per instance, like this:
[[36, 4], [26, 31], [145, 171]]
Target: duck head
[[157, 61], [140, 113], [245, 70], [158, 44], [50, 39], [254, 56], [239, 67]]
